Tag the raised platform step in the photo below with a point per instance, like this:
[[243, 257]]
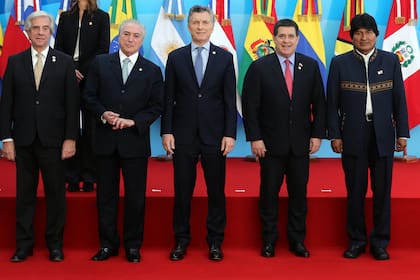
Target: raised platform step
[[326, 213]]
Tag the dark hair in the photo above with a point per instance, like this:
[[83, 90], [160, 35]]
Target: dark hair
[[201, 9], [92, 6], [285, 22], [363, 21]]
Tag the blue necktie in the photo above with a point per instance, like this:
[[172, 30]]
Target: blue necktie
[[125, 69], [198, 66]]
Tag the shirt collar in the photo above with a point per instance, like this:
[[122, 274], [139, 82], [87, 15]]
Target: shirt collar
[[44, 52], [365, 56], [206, 46], [290, 58], [133, 57]]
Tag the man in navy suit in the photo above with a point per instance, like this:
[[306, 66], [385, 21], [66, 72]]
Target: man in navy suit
[[124, 93], [39, 125], [284, 114], [199, 121], [367, 110]]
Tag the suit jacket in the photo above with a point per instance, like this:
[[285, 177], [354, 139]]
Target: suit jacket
[[346, 93], [51, 113], [190, 110], [94, 36], [271, 116], [139, 99]]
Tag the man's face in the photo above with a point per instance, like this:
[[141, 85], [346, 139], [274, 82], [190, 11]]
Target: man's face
[[286, 40], [131, 39], [364, 40], [40, 33], [200, 26]]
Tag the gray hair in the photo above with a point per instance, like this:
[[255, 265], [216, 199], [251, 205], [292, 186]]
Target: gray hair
[[201, 9], [37, 14], [132, 21]]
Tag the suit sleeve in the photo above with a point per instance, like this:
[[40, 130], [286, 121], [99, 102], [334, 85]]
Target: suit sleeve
[[72, 102], [230, 99], [251, 102], [90, 95], [104, 34], [6, 102], [333, 102], [59, 36], [169, 97], [152, 111], [319, 108], [400, 103]]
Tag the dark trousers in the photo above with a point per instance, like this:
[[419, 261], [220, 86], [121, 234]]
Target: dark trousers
[[272, 171], [185, 172], [134, 171], [82, 167], [356, 175], [29, 161]]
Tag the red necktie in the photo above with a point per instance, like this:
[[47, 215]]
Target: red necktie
[[288, 77]]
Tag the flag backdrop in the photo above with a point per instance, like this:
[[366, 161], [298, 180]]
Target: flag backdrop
[[15, 39], [401, 39], [120, 10], [222, 36], [307, 15], [344, 42], [259, 38], [64, 6], [169, 33]]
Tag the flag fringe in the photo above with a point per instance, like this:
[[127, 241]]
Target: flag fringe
[[399, 20]]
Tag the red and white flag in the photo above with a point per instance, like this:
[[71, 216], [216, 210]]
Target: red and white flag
[[222, 36], [401, 39], [15, 39]]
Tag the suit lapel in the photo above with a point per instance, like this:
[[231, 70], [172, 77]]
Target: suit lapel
[[49, 60], [276, 68], [190, 66], [116, 67], [210, 63], [136, 70], [28, 66]]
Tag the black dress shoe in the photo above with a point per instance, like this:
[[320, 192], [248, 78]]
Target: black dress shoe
[[87, 187], [73, 187], [354, 251], [178, 252], [132, 255], [379, 253], [56, 255], [299, 250], [104, 254], [20, 255], [215, 253], [267, 250]]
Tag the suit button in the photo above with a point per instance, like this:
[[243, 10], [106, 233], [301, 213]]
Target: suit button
[[123, 91], [200, 95], [37, 102]]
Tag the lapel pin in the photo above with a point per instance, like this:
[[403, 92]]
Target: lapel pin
[[53, 58], [300, 66], [90, 23], [213, 52], [140, 69], [380, 72]]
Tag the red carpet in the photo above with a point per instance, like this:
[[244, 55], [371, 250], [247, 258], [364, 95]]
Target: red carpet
[[326, 236]]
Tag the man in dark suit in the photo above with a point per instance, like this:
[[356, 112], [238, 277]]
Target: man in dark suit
[[199, 120], [124, 93], [39, 122], [83, 33], [284, 118], [367, 110]]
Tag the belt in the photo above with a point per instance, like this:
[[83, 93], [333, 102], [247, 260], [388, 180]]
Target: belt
[[369, 117]]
